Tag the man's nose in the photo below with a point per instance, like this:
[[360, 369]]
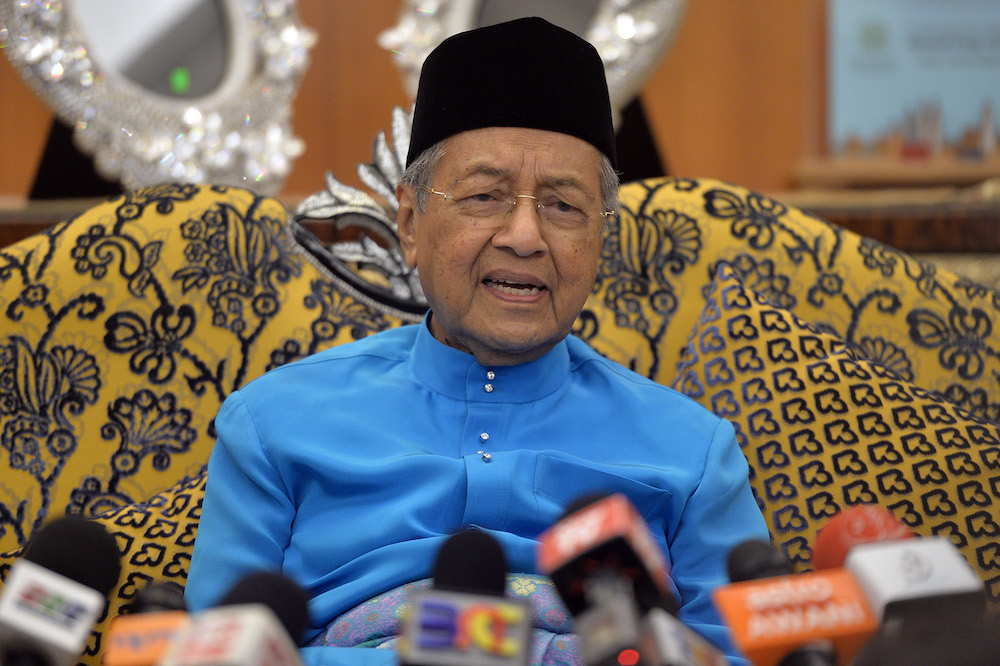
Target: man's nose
[[522, 231]]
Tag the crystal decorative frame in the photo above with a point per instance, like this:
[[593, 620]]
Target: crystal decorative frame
[[238, 135], [630, 35]]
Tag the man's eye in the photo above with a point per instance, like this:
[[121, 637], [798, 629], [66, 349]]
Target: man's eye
[[482, 204], [557, 205], [563, 214]]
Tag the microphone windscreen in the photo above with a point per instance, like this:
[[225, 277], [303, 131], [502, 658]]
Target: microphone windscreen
[[160, 598], [79, 549], [851, 527], [279, 593], [471, 561], [754, 559]]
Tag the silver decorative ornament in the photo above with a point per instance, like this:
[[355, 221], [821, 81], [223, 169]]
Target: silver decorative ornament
[[238, 134]]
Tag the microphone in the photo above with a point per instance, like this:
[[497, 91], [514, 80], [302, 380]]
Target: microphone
[[932, 605], [257, 623], [604, 533], [666, 641], [864, 523], [160, 597], [143, 637], [777, 617], [465, 619], [56, 592], [895, 570], [607, 567]]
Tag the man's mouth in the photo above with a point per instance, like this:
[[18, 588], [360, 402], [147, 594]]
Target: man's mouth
[[513, 288]]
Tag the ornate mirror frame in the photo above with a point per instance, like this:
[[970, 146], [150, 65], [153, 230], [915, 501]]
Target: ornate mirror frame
[[238, 135], [630, 35]]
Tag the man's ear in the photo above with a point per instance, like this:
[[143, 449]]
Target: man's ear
[[405, 224]]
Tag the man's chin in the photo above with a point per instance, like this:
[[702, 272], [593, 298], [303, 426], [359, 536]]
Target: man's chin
[[498, 340], [514, 349]]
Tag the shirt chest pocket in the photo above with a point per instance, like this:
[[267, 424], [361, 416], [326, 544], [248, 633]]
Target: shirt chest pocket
[[562, 480]]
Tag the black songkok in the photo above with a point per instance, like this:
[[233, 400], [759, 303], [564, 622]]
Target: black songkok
[[523, 73]]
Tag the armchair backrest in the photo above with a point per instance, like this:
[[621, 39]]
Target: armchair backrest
[[125, 328]]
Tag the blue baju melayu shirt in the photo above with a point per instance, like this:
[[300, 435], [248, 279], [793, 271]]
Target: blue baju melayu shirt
[[347, 470]]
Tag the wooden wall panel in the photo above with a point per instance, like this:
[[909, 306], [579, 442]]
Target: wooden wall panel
[[736, 97], [348, 93], [24, 127], [739, 94]]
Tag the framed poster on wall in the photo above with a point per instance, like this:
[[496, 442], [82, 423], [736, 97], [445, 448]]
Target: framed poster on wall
[[913, 90]]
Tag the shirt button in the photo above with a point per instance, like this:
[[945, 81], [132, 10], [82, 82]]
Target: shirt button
[[488, 388], [491, 375], [486, 457], [484, 437]]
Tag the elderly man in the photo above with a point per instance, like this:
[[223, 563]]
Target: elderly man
[[347, 470]]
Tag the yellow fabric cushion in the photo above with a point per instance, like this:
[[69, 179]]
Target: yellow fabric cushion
[[934, 328], [125, 328], [123, 331], [156, 538], [824, 428]]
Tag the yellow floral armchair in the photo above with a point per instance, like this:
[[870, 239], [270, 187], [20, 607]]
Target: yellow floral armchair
[[853, 373]]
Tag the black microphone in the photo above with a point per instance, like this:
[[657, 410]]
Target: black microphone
[[608, 569], [286, 599], [471, 562], [163, 597], [56, 592], [465, 619], [605, 535], [257, 623], [755, 560]]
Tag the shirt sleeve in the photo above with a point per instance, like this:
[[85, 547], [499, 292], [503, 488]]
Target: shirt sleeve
[[246, 516], [719, 514]]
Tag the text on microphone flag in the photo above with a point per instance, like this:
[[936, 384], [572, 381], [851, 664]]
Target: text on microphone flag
[[608, 518], [769, 615], [444, 627]]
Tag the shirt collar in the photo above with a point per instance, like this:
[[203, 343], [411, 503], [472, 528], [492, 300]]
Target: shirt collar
[[457, 374]]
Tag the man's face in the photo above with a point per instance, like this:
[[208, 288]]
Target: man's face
[[506, 286]]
